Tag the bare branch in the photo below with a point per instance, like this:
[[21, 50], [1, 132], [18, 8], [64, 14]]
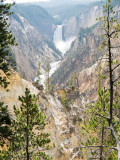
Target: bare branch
[[105, 72], [102, 116], [75, 155], [102, 58], [92, 146], [116, 79], [105, 30], [115, 31], [39, 150], [114, 148], [97, 146], [114, 134], [115, 67], [115, 47]]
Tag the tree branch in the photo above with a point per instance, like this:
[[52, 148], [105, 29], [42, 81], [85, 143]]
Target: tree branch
[[98, 146], [114, 134], [103, 116], [115, 67], [105, 30], [92, 146], [115, 47], [116, 79], [115, 31], [75, 155], [114, 148]]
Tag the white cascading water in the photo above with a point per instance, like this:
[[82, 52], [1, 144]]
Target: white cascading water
[[57, 37], [60, 44], [53, 67]]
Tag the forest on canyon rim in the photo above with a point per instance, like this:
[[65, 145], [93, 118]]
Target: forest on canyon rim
[[80, 119]]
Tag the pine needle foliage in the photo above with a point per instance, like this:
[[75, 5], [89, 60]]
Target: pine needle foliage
[[103, 128], [6, 40], [29, 141]]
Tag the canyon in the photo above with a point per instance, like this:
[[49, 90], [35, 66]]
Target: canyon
[[72, 49], [40, 37]]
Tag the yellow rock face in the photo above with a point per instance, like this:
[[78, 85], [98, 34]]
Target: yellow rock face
[[64, 132], [16, 88]]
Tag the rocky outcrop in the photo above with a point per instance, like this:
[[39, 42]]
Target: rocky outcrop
[[82, 61], [64, 128], [71, 28], [15, 89], [87, 19], [37, 17], [83, 54], [31, 48], [62, 125]]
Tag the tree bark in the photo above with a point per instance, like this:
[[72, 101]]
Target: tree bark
[[101, 148], [118, 155], [110, 68], [118, 146], [27, 136]]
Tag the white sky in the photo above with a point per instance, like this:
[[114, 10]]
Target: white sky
[[30, 1], [25, 1]]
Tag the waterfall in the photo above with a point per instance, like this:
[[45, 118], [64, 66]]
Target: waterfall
[[60, 44], [58, 34]]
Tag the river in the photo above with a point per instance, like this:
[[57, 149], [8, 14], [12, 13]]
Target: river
[[60, 44], [53, 68]]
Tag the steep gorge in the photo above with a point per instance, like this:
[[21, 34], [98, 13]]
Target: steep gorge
[[86, 19], [81, 60], [82, 55], [62, 125], [35, 35], [32, 45]]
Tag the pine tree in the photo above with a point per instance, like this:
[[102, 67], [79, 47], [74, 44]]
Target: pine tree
[[6, 39], [5, 122], [104, 123], [29, 141]]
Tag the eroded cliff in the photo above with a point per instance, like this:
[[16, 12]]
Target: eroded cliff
[[31, 48], [63, 125]]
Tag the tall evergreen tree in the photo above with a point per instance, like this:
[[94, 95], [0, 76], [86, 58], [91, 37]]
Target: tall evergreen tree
[[29, 141], [6, 39], [105, 117], [5, 122]]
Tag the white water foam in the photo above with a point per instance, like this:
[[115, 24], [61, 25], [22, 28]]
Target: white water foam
[[53, 68], [60, 44]]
